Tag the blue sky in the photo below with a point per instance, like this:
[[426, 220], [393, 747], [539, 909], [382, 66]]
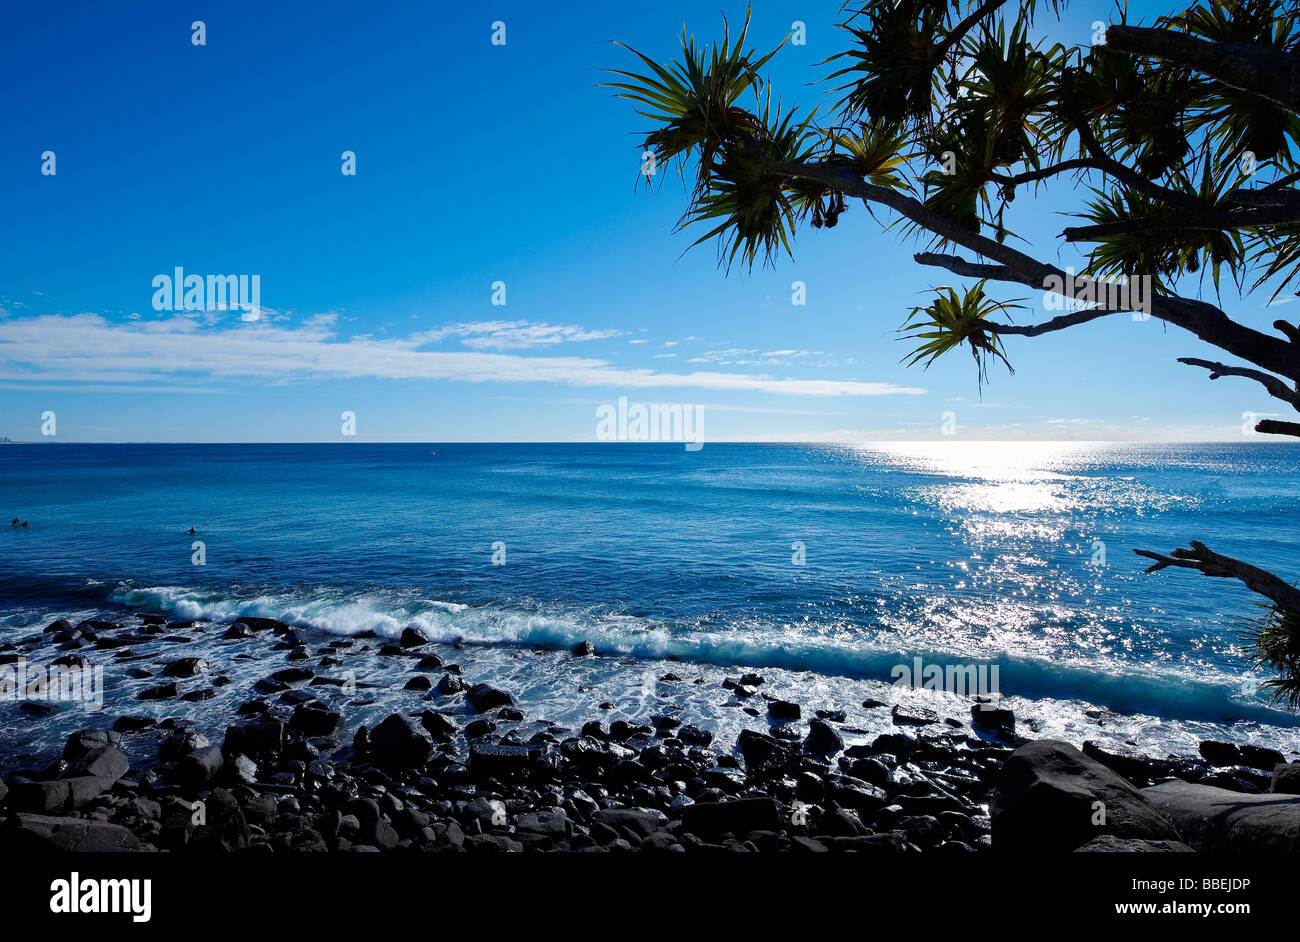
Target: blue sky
[[475, 164]]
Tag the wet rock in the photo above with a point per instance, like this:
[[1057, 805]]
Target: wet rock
[[440, 726], [1127, 761], [237, 631], [315, 719], [398, 743], [187, 667], [263, 738], [823, 739], [994, 719], [584, 649], [484, 697], [1048, 797], [783, 710], [165, 691], [763, 753], [1259, 757], [180, 744], [262, 624], [87, 740], [450, 684], [133, 724], [413, 638], [430, 662], [199, 767], [294, 675], [1220, 753], [913, 716]]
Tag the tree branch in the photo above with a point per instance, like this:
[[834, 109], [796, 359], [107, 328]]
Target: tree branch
[[1276, 388], [1200, 557], [1199, 317], [1270, 73]]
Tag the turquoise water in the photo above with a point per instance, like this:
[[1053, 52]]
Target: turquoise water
[[1014, 554]]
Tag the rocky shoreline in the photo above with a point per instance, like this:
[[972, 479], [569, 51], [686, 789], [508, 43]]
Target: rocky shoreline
[[293, 772]]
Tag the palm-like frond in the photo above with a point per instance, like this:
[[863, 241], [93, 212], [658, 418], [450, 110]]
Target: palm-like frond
[[953, 319]]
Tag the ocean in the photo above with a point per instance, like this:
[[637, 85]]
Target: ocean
[[825, 567]]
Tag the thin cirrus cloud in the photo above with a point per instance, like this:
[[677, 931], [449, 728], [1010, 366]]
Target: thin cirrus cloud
[[89, 349], [512, 335]]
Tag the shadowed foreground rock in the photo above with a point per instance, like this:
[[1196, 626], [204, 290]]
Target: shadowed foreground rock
[[1050, 797], [1215, 819]]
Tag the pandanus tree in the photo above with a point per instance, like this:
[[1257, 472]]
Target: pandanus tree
[[1177, 139]]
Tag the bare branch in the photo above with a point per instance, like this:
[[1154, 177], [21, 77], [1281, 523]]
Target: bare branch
[[1277, 427], [1209, 563], [1276, 388]]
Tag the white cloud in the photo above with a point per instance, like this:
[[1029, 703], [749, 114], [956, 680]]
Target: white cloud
[[89, 349], [512, 335]]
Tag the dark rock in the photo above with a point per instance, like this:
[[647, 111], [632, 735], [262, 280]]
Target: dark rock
[[1258, 757], [186, 667], [823, 739], [315, 719], [237, 631], [162, 692], [420, 683], [763, 753], [1220, 753], [36, 833], [180, 744], [493, 759], [450, 684], [439, 725], [133, 724], [484, 697], [783, 710], [584, 649], [294, 675], [398, 743], [1050, 797], [263, 738], [413, 638], [199, 767], [1286, 779], [1214, 819], [996, 719], [737, 817], [913, 716]]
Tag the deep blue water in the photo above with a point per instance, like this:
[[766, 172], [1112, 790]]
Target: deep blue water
[[948, 551]]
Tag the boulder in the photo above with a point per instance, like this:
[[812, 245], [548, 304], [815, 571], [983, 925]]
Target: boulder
[[823, 739], [783, 710], [1286, 779], [413, 638], [315, 719], [1220, 753], [993, 718], [584, 649], [398, 743], [1217, 820], [41, 833], [1050, 797], [484, 697]]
